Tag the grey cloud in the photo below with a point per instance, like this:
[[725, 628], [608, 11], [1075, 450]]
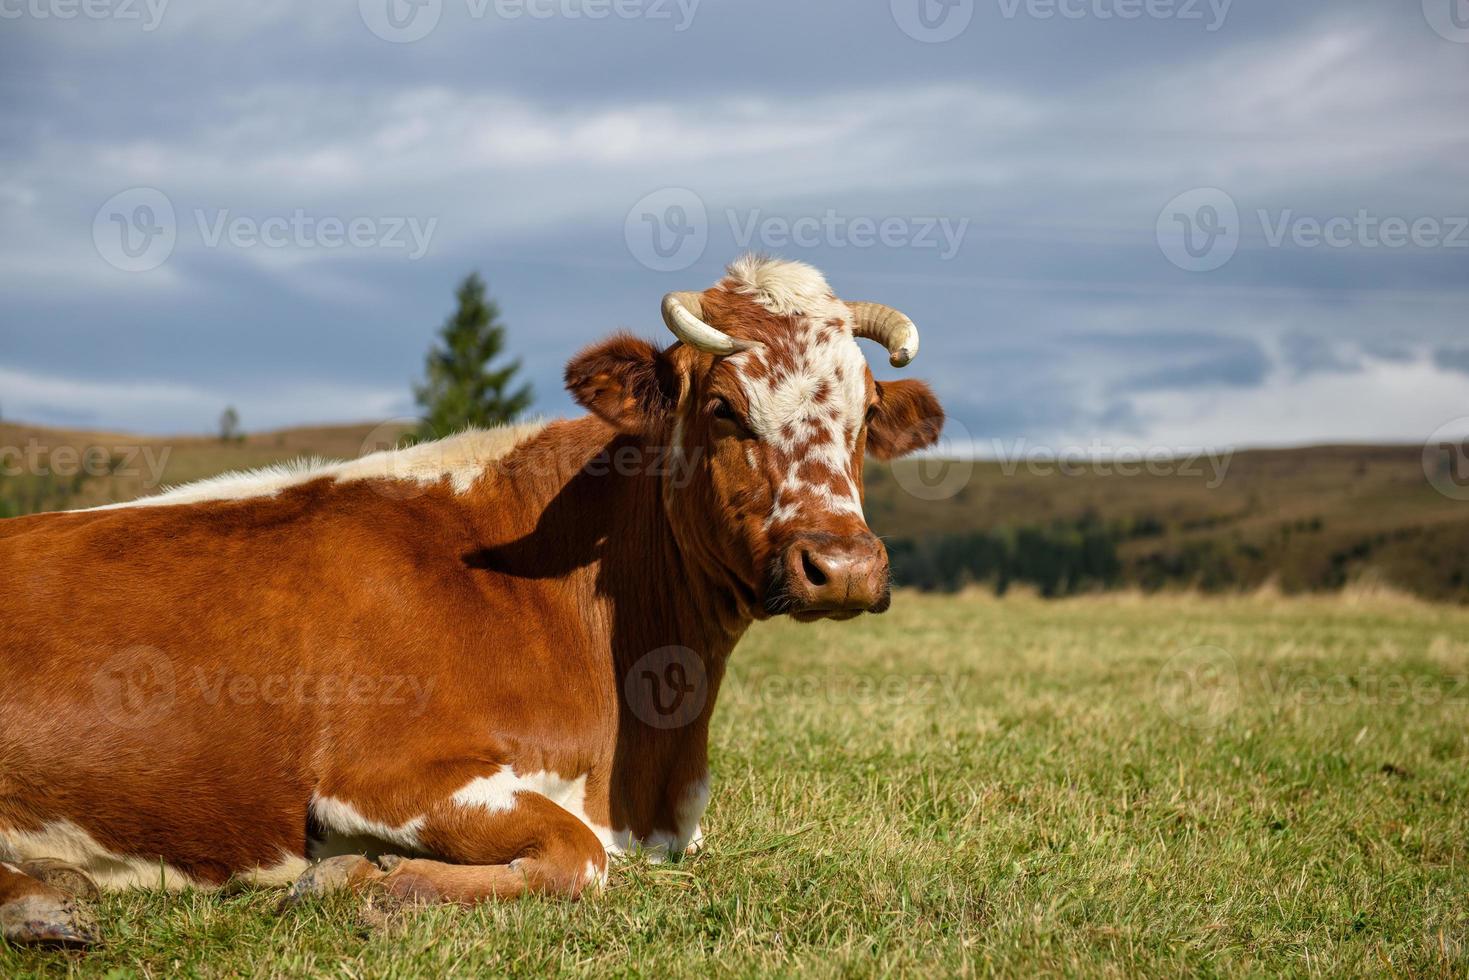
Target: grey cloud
[[531, 140], [1452, 358]]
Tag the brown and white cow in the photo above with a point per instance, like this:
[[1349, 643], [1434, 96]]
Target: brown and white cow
[[487, 662]]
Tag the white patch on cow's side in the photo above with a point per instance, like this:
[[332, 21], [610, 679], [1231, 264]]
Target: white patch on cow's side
[[349, 832], [497, 793], [461, 459], [63, 840]]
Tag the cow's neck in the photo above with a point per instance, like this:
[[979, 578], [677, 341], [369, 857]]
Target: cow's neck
[[592, 526]]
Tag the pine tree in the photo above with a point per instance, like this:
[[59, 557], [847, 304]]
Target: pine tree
[[462, 388]]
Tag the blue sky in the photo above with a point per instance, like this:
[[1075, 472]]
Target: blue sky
[[1117, 222]]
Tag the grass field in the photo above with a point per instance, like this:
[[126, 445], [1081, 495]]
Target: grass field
[[1111, 785]]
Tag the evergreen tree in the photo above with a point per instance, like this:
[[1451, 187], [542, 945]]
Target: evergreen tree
[[462, 388], [229, 425]]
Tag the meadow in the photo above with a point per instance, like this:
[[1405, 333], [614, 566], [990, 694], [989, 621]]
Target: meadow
[[1111, 785]]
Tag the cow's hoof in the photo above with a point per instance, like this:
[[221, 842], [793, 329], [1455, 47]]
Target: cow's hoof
[[47, 917], [346, 872], [63, 877]]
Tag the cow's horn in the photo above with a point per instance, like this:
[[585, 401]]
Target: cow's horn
[[888, 327], [683, 313]]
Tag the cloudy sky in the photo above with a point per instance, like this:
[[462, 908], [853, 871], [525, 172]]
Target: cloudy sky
[[1117, 222]]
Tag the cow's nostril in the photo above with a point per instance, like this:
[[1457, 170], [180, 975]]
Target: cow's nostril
[[811, 570]]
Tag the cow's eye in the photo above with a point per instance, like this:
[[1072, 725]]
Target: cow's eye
[[721, 410]]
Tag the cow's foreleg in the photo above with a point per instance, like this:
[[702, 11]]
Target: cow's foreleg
[[32, 911], [478, 853]]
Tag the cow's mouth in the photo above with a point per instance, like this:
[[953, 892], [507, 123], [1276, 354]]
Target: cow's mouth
[[812, 615]]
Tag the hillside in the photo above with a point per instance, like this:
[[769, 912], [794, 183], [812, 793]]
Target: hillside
[[1300, 519]]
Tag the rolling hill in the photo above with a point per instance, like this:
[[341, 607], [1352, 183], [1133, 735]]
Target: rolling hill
[[1296, 519]]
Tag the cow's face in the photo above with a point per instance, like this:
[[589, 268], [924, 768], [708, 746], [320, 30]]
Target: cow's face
[[768, 407]]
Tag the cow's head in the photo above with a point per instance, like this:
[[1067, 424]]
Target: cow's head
[[768, 406]]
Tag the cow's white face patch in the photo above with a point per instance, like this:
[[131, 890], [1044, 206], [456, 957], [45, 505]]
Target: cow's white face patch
[[807, 402], [810, 415]]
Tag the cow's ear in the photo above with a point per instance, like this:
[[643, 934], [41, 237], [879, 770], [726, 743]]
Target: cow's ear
[[907, 418], [625, 381]]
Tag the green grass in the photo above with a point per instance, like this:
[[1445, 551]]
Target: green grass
[[1099, 786]]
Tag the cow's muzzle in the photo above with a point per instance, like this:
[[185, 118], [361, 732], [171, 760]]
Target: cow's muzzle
[[824, 576]]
